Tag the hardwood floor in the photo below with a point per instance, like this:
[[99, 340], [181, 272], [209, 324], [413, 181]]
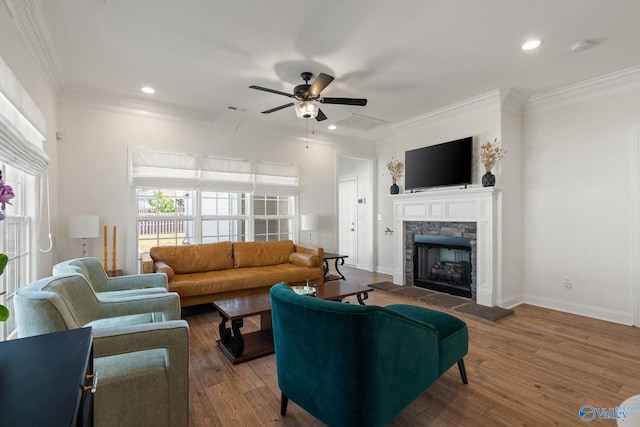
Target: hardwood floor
[[537, 367]]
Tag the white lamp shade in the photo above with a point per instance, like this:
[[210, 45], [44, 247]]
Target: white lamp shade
[[309, 222], [84, 226]]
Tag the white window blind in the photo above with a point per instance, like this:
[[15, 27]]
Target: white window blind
[[22, 126], [173, 170]]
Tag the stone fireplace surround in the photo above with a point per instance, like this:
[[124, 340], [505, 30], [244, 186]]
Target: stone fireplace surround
[[459, 205], [438, 228]]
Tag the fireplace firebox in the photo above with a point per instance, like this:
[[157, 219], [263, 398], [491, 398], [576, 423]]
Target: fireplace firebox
[[443, 264]]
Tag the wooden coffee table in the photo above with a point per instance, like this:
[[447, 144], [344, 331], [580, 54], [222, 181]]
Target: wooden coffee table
[[241, 348]]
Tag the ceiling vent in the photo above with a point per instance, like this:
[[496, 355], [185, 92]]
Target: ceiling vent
[[360, 122]]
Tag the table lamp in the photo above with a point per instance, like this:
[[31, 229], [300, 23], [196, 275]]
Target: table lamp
[[309, 223], [83, 227]]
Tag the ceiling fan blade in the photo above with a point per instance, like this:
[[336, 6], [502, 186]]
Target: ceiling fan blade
[[320, 83], [320, 117], [345, 101], [277, 92], [278, 108]]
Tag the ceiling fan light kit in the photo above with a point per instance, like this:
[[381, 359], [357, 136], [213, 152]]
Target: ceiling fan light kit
[[308, 99], [306, 109]]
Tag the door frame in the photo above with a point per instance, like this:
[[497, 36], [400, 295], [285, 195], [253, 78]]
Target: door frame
[[365, 231]]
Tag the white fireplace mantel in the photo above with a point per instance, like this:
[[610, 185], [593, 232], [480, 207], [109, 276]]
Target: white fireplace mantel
[[475, 204]]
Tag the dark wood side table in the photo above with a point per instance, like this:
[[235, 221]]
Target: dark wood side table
[[47, 380], [114, 273], [338, 258]]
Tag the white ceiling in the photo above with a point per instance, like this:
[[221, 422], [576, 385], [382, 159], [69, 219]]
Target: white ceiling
[[408, 57]]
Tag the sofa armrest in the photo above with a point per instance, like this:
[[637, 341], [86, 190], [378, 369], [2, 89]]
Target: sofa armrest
[[167, 303], [126, 339], [164, 268], [146, 263], [173, 337], [137, 281]]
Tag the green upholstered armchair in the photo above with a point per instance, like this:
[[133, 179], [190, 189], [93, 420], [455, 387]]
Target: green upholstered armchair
[[141, 348], [352, 365], [112, 287]]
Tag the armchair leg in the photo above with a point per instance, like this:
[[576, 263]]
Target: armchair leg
[[284, 400], [463, 371]]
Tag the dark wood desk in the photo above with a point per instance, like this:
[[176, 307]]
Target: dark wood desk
[[339, 258], [45, 380]]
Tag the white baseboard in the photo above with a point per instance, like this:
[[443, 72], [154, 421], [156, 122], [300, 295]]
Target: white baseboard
[[510, 302], [385, 270], [614, 316]]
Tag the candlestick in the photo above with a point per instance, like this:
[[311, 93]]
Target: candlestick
[[113, 266], [106, 252]]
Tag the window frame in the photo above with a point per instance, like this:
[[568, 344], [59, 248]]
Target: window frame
[[248, 218]]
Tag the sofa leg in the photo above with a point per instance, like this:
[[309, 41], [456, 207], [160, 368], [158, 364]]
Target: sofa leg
[[283, 404], [463, 371]]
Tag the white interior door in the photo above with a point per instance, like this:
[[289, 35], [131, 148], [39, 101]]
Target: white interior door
[[347, 211]]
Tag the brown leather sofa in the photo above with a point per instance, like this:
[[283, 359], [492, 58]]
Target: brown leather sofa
[[213, 271]]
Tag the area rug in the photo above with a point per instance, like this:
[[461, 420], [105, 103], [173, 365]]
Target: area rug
[[457, 304]]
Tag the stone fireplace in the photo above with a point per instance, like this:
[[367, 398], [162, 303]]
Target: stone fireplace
[[466, 213]]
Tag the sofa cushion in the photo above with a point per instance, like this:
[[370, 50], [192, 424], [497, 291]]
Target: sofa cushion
[[257, 254], [304, 260], [453, 342], [195, 258], [240, 279]]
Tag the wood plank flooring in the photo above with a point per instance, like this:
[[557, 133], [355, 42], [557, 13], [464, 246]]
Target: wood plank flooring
[[534, 368]]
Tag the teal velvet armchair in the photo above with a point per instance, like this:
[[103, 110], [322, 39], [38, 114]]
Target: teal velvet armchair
[[140, 347], [352, 365], [112, 287]]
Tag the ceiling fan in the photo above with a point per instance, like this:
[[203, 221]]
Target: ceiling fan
[[308, 97]]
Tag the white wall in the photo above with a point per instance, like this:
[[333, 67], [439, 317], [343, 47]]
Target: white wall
[[579, 163], [93, 170], [384, 215]]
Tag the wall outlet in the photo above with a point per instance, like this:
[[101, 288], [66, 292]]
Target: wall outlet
[[567, 283]]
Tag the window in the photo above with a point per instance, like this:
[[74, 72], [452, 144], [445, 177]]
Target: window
[[22, 159], [224, 217], [166, 217], [185, 199], [273, 218], [16, 242]]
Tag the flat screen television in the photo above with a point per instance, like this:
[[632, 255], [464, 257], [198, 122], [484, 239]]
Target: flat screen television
[[449, 163]]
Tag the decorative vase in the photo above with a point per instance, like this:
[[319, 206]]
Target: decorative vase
[[394, 189], [488, 179]]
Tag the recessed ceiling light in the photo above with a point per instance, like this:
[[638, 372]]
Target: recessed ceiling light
[[333, 127], [148, 89], [531, 44]]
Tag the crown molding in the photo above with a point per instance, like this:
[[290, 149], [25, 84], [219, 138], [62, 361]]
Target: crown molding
[[30, 22], [129, 105], [585, 89], [477, 102], [514, 101]]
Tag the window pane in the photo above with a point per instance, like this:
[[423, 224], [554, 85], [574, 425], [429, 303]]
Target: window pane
[[223, 230], [219, 203], [164, 232], [158, 202], [259, 205]]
